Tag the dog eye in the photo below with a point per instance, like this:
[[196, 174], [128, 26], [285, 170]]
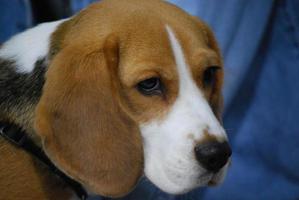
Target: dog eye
[[209, 76], [151, 86]]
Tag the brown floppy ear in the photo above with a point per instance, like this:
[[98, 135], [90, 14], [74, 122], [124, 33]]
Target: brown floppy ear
[[82, 127], [216, 100]]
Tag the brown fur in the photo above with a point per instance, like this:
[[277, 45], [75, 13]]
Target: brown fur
[[22, 177], [89, 112]]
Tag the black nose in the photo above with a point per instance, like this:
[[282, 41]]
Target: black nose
[[213, 155]]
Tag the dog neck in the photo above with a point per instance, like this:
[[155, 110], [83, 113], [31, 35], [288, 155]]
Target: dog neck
[[20, 139]]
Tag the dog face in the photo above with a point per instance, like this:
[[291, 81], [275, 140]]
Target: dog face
[[189, 123], [175, 98], [132, 90]]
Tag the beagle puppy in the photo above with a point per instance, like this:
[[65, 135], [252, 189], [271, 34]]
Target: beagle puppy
[[122, 89]]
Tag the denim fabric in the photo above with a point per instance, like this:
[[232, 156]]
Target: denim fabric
[[15, 17]]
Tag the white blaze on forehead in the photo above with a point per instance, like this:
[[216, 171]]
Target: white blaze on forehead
[[29, 46], [190, 95]]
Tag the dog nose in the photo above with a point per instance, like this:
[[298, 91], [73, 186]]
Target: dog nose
[[213, 155]]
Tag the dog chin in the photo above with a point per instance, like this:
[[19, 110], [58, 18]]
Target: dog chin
[[179, 184]]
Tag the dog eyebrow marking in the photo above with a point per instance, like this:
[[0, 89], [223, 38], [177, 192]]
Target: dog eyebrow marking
[[28, 47]]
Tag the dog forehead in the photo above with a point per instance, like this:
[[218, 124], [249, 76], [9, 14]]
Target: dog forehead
[[149, 48], [140, 27], [131, 20]]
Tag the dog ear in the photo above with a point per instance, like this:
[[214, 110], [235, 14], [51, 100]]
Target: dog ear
[[81, 124]]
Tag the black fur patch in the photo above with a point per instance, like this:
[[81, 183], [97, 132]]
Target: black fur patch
[[18, 90]]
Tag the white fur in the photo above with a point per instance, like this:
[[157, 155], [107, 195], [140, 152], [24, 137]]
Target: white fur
[[169, 152], [27, 47]]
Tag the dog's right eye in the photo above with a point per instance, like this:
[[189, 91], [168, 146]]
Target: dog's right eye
[[151, 86], [209, 76]]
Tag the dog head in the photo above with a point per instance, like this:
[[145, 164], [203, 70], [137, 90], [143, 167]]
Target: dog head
[[134, 86]]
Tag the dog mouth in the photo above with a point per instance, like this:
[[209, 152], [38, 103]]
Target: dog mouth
[[218, 177], [182, 180], [208, 179], [213, 181]]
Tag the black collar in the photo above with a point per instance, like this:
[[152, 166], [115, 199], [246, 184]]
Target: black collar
[[18, 137]]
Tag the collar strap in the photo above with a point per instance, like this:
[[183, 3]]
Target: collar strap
[[19, 138]]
